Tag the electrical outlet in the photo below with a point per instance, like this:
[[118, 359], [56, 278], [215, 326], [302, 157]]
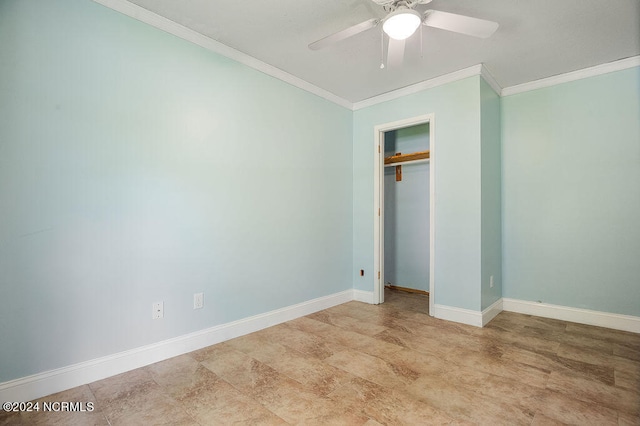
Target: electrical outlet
[[158, 310], [198, 300], [491, 282]]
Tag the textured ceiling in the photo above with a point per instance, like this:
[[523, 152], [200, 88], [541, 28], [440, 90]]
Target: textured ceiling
[[536, 39]]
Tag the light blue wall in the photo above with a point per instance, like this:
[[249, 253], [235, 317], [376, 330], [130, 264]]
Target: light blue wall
[[571, 194], [137, 167], [457, 180], [406, 212], [491, 196]]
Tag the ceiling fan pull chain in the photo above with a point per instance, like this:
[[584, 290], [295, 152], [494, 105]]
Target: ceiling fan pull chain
[[381, 50], [421, 41]]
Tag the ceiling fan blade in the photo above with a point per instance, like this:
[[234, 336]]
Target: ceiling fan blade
[[459, 23], [346, 33], [395, 53]]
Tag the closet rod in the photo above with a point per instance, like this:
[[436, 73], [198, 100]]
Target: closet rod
[[395, 159], [425, 160]]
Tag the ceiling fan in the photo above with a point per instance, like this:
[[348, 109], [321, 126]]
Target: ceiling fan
[[403, 20]]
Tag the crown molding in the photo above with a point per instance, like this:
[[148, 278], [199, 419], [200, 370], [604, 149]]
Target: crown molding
[[491, 81], [171, 27], [146, 16], [606, 68], [484, 72], [471, 71], [143, 15], [419, 87]]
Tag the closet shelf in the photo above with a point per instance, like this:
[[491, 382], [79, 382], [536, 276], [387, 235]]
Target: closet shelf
[[403, 158]]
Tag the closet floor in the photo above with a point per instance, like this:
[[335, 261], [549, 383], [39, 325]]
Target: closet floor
[[404, 300], [357, 364]]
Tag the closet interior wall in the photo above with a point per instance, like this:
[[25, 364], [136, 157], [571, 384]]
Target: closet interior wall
[[406, 211]]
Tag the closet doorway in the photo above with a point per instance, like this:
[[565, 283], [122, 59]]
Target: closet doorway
[[404, 199]]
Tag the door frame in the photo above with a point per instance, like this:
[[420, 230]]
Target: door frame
[[378, 202]]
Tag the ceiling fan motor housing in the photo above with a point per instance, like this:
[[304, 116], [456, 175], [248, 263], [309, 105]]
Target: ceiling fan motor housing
[[391, 5]]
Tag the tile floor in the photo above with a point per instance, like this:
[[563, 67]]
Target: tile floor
[[360, 364]]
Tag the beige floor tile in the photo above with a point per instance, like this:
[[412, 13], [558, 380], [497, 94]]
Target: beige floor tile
[[423, 363], [76, 406], [346, 338], [260, 344], [553, 362], [121, 386], [358, 310], [533, 375], [373, 368], [607, 334], [588, 342], [361, 364], [420, 342], [517, 337], [221, 403], [516, 393], [627, 380], [563, 408], [465, 403], [468, 342], [244, 372], [307, 343], [628, 420], [348, 323], [146, 405], [211, 352], [65, 419], [169, 416], [372, 422], [339, 419], [541, 420], [595, 392], [395, 317], [182, 376], [356, 394], [588, 355], [312, 326], [316, 375], [626, 365], [631, 352], [397, 408], [296, 405], [13, 418], [546, 324], [372, 314]]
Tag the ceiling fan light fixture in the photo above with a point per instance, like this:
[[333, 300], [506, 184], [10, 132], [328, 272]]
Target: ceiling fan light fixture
[[402, 23]]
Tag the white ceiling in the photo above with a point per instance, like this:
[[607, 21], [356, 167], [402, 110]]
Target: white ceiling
[[536, 39]]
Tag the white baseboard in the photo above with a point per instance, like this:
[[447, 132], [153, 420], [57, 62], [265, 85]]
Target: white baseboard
[[464, 316], [467, 316], [491, 312], [363, 296], [545, 310], [49, 382], [565, 313]]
